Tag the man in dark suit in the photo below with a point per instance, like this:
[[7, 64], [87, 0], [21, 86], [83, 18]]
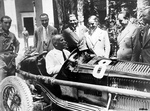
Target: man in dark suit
[[74, 34], [142, 47], [127, 36], [43, 35]]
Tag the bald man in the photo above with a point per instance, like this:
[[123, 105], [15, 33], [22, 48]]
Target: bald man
[[56, 57]]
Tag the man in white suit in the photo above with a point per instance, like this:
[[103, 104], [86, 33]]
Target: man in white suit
[[97, 39], [56, 57], [126, 39]]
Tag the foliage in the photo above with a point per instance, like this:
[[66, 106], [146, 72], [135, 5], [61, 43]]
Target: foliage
[[89, 9], [62, 8]]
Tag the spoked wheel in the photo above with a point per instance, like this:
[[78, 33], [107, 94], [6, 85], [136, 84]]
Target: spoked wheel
[[15, 95]]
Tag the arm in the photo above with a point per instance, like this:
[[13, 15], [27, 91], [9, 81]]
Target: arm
[[69, 37], [35, 39], [82, 44], [88, 41], [136, 50], [16, 44]]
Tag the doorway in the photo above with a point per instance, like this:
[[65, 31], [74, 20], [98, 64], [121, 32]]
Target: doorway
[[28, 23]]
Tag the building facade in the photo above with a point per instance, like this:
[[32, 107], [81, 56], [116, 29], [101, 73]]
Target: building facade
[[25, 13]]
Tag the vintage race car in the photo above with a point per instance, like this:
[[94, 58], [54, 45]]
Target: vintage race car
[[85, 83]]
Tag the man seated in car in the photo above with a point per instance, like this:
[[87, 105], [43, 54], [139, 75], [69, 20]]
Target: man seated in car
[[56, 57]]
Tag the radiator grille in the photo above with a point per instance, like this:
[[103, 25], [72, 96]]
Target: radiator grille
[[131, 104], [129, 67]]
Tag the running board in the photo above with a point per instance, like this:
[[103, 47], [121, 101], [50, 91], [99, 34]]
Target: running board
[[72, 106]]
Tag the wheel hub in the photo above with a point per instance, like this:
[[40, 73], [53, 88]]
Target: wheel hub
[[11, 99]]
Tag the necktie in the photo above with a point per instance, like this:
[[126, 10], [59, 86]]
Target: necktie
[[64, 56], [45, 35], [45, 41]]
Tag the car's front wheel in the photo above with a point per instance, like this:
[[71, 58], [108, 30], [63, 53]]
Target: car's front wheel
[[15, 95]]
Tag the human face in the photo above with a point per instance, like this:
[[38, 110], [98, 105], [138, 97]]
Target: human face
[[44, 20], [62, 44], [146, 19], [73, 21], [145, 16], [92, 24], [6, 23], [122, 20]]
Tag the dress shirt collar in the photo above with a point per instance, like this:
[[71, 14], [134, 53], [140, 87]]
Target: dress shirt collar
[[60, 54], [45, 28], [57, 51], [91, 31]]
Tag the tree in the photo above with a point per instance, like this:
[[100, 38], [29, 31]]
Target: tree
[[89, 9], [62, 8], [140, 5]]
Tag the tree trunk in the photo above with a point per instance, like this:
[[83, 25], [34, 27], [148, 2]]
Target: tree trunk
[[80, 4]]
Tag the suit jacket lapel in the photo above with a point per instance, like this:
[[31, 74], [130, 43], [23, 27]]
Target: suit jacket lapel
[[49, 32], [146, 36], [41, 33], [73, 34], [95, 33], [123, 34]]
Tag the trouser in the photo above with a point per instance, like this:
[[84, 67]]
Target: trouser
[[9, 60], [2, 70]]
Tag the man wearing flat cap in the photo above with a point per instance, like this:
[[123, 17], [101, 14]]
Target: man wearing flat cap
[[142, 48]]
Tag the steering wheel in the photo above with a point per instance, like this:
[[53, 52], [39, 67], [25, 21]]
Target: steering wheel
[[40, 63]]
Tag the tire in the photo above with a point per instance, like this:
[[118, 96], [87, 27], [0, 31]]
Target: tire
[[15, 95]]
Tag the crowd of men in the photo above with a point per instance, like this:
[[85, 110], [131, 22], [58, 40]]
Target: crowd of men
[[133, 40]]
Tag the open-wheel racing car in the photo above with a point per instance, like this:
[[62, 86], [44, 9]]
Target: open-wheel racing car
[[84, 83]]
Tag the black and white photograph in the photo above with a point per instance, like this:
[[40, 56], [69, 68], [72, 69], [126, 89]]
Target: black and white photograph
[[74, 55]]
